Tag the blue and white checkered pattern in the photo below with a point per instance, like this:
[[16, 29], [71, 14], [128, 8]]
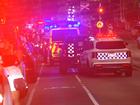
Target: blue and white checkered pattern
[[70, 50], [110, 56]]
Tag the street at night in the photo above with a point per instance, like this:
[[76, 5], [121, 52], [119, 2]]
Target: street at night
[[69, 52], [53, 88]]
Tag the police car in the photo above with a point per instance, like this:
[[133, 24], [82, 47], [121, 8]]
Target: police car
[[106, 55]]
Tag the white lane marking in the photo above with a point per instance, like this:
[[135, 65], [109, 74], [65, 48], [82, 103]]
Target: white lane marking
[[87, 91], [33, 92], [62, 87], [40, 70], [34, 88], [31, 97]]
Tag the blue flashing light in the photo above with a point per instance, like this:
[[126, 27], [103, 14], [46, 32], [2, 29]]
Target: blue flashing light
[[73, 23], [76, 25], [69, 25], [55, 26], [51, 26], [47, 20], [47, 27]]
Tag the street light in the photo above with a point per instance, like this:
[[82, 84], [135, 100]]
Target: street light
[[101, 10]]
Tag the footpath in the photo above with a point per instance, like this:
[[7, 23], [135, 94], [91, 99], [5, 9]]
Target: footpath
[[135, 51], [132, 45]]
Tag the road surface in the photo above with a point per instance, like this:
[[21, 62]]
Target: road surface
[[53, 88]]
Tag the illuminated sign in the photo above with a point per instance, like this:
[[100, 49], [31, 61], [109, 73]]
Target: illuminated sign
[[99, 24]]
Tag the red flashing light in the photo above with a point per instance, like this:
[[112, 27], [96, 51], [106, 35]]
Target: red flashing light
[[40, 22], [108, 35]]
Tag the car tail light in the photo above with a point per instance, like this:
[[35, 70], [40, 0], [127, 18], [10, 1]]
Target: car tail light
[[94, 55], [128, 53], [126, 65]]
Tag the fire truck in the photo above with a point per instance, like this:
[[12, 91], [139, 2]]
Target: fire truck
[[64, 47]]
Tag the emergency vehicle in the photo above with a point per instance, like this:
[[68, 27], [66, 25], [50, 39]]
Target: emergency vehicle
[[107, 54], [63, 46]]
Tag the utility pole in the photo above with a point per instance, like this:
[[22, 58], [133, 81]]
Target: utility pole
[[122, 10]]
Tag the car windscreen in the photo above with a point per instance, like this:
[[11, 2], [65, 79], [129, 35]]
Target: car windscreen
[[110, 45], [61, 35]]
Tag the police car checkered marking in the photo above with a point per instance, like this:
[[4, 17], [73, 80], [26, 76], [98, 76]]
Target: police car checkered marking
[[71, 50], [106, 56]]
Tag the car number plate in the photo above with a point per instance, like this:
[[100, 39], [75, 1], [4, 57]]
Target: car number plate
[[112, 55]]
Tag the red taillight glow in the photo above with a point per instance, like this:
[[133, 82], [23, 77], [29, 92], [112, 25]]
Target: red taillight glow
[[126, 65], [128, 53], [94, 55], [108, 35]]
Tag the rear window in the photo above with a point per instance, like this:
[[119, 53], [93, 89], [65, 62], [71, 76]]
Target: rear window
[[61, 35], [110, 45]]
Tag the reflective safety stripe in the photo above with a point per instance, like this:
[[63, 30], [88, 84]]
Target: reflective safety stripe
[[55, 49], [71, 50], [110, 56]]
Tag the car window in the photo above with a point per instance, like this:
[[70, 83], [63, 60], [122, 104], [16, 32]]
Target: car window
[[88, 45], [61, 35], [110, 45]]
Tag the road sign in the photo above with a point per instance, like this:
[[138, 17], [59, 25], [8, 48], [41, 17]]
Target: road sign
[[84, 6], [99, 24]]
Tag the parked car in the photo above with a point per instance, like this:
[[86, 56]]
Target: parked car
[[106, 55], [30, 65], [30, 68], [5, 93]]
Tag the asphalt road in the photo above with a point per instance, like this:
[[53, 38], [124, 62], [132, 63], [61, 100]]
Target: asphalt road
[[53, 88]]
